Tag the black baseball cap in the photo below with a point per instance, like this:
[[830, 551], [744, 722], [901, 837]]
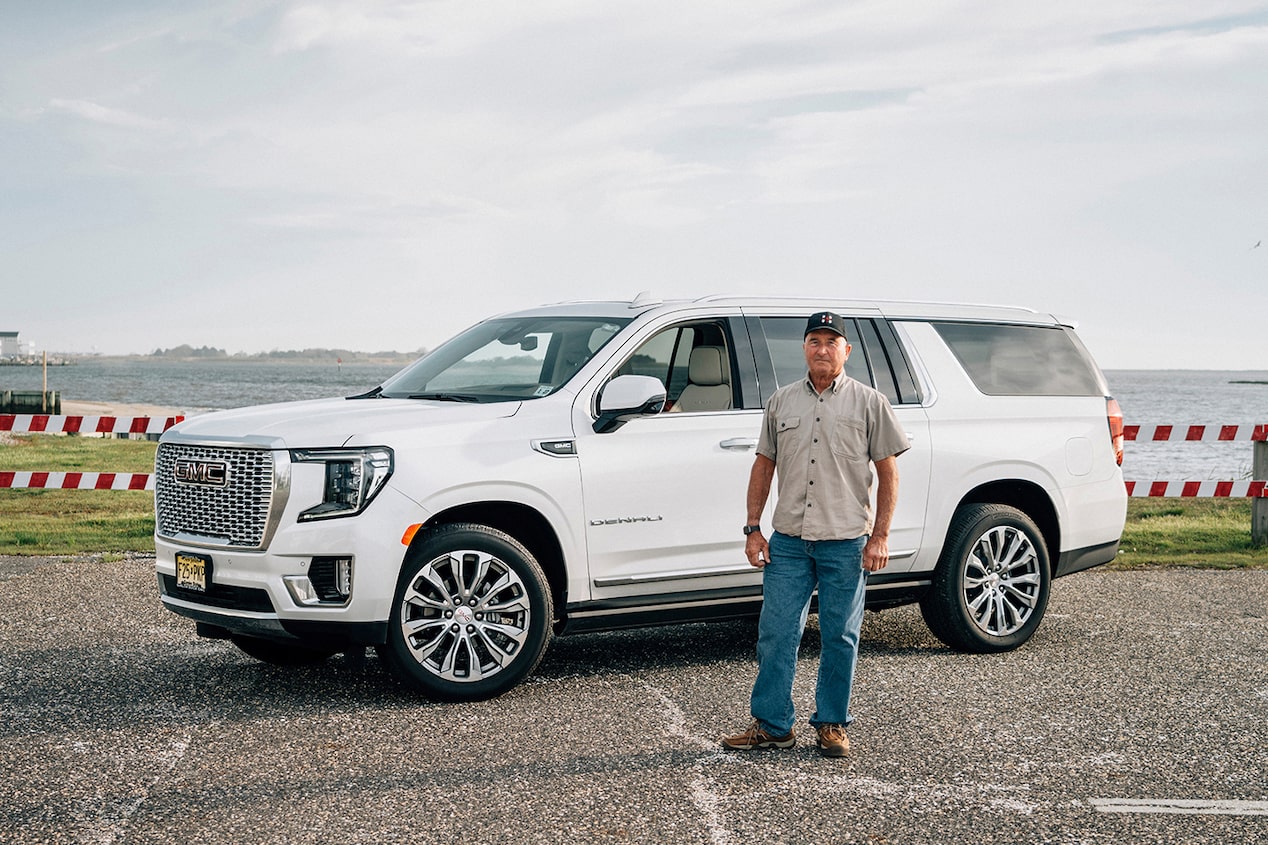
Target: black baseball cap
[[826, 320]]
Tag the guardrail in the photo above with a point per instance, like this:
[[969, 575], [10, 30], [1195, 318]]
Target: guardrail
[[51, 424], [77, 480], [105, 425], [1256, 488]]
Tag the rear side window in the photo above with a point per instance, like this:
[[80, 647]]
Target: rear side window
[[1023, 360], [785, 338]]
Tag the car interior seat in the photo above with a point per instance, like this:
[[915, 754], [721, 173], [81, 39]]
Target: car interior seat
[[708, 381]]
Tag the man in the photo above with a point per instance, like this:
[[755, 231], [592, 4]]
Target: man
[[823, 434]]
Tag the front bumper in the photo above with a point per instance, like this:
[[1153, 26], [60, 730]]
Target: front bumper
[[247, 592]]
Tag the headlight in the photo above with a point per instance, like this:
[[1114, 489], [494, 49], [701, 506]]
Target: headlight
[[353, 477]]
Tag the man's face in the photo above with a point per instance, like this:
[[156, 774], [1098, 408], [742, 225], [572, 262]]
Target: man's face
[[826, 352]]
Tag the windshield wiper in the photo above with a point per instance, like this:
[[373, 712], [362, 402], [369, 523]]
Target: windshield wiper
[[446, 397], [369, 394]]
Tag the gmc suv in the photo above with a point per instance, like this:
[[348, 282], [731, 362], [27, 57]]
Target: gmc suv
[[583, 466]]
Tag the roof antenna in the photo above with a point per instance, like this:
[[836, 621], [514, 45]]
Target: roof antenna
[[644, 300]]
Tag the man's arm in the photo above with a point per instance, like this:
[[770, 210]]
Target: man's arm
[[876, 552], [756, 549]]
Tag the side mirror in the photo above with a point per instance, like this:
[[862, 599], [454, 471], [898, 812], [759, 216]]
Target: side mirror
[[627, 397]]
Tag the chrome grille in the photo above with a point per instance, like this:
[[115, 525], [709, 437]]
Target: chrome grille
[[235, 514]]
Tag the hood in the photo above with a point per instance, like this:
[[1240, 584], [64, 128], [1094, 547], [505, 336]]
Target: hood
[[330, 422]]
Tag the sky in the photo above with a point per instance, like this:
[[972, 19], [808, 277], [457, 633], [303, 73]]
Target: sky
[[263, 174]]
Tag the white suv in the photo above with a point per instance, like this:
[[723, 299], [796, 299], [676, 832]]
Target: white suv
[[583, 466]]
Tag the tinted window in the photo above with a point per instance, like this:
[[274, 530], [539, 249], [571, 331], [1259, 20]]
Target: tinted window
[[1022, 360], [785, 337], [886, 355]]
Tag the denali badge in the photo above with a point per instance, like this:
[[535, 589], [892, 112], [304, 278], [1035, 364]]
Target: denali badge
[[211, 473], [625, 520]]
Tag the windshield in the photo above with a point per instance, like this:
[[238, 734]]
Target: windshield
[[504, 360]]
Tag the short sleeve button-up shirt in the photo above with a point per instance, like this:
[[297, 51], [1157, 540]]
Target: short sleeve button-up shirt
[[823, 446]]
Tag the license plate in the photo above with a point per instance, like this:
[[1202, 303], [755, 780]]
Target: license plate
[[193, 572]]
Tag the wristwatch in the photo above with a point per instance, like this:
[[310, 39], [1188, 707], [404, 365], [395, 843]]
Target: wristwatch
[[749, 529]]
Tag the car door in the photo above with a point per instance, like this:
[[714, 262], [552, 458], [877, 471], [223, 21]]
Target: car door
[[665, 494]]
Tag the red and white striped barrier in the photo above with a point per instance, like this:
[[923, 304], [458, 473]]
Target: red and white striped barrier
[[1195, 433], [78, 480], [48, 424], [1196, 489]]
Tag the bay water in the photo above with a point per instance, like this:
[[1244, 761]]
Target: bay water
[[1148, 397]]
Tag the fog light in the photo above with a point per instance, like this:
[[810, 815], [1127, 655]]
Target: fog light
[[332, 579], [301, 589]]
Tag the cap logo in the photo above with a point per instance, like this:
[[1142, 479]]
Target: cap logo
[[826, 319]]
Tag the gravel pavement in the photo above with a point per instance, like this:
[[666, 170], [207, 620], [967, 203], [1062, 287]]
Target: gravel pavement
[[1136, 714]]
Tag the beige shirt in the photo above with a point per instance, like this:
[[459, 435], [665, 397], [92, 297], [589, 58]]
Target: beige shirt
[[823, 447]]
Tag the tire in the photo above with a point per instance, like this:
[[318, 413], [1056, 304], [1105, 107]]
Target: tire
[[472, 616], [991, 586], [279, 653]]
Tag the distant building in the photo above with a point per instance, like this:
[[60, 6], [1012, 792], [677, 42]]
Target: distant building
[[10, 346]]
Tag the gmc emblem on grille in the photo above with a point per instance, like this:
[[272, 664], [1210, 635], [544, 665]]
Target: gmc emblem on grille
[[211, 473]]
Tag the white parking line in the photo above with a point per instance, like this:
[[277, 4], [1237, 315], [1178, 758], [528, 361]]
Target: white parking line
[[703, 795], [109, 818], [1184, 806]]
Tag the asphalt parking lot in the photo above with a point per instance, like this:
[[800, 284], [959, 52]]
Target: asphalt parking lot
[[1136, 714]]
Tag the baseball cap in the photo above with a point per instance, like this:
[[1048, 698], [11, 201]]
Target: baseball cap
[[825, 320]]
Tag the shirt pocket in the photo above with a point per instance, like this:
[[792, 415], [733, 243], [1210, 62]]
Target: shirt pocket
[[786, 428], [849, 439]]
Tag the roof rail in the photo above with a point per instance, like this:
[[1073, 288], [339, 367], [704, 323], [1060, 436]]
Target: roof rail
[[645, 300]]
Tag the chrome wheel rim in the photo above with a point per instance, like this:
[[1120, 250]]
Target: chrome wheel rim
[[465, 616], [1002, 580]]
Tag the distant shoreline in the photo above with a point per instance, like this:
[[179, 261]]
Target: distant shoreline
[[307, 360]]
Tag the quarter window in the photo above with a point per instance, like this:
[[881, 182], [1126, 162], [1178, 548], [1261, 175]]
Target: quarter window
[[1023, 360]]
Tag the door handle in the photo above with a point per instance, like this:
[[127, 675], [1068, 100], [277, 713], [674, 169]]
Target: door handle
[[739, 443]]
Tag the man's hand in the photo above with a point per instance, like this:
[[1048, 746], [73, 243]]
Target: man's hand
[[876, 553], [757, 550]]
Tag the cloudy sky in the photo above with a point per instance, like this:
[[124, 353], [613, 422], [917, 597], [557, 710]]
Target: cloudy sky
[[265, 174]]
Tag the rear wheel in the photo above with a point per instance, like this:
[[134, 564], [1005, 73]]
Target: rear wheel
[[991, 586], [472, 616], [280, 653]]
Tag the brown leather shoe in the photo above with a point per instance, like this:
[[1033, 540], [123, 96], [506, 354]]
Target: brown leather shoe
[[756, 737], [832, 741]]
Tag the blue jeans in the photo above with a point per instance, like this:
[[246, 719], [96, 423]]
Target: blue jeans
[[788, 580]]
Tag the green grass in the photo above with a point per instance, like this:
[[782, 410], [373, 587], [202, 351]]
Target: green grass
[[40, 522], [1206, 533]]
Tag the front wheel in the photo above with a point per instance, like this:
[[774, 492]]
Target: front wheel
[[991, 586], [472, 616]]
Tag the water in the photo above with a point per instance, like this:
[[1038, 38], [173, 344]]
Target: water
[[195, 387], [1184, 398], [1148, 397]]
